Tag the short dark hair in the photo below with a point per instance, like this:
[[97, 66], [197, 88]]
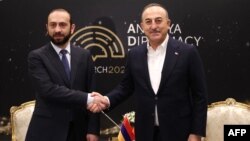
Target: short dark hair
[[151, 5], [62, 10]]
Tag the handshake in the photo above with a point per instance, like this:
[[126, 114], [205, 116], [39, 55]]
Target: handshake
[[98, 102]]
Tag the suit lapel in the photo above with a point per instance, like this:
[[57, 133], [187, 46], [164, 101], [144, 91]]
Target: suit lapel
[[57, 64], [169, 62]]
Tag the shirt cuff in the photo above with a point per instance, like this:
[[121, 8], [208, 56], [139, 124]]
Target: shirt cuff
[[90, 99]]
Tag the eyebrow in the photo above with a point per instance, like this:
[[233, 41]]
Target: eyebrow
[[154, 18]]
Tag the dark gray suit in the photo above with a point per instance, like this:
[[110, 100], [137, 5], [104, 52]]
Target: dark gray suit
[[181, 98], [59, 101]]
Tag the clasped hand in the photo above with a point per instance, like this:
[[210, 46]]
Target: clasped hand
[[99, 103]]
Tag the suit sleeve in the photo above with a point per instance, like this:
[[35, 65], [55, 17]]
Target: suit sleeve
[[48, 90], [125, 88], [199, 93]]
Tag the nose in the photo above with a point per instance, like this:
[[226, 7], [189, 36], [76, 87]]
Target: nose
[[57, 28], [153, 25]]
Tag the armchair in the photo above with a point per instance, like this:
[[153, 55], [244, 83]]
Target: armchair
[[20, 119], [225, 112]]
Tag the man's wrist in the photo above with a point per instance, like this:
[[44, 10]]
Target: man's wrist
[[108, 101]]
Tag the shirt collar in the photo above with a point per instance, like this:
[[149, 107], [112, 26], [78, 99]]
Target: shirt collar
[[58, 49]]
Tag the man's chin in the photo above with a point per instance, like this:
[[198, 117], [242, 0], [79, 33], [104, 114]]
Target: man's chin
[[155, 38], [58, 42]]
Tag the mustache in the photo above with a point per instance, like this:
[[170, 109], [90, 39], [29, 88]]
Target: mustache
[[58, 34], [155, 30]]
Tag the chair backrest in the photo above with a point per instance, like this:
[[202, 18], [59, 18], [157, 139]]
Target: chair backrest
[[20, 119], [225, 112]]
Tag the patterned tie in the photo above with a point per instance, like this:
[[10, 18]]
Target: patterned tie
[[65, 62]]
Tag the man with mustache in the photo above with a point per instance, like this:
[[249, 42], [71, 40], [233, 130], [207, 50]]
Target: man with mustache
[[63, 77], [168, 81]]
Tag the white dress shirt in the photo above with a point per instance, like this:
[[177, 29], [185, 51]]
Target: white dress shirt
[[156, 59]]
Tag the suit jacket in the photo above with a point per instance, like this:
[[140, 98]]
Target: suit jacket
[[181, 99], [60, 101]]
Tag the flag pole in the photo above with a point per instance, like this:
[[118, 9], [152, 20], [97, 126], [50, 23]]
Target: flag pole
[[111, 120]]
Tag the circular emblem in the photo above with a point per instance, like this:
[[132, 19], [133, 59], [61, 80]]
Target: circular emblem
[[102, 42]]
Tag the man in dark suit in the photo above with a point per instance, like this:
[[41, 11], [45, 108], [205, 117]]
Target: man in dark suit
[[168, 81], [63, 78]]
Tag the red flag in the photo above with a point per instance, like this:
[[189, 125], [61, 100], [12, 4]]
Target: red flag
[[127, 131]]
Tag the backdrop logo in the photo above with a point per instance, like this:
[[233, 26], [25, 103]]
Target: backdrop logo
[[102, 42]]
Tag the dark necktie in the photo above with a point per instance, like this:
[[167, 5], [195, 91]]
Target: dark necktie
[[65, 62]]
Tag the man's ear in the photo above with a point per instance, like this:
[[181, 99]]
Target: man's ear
[[73, 28], [46, 34], [169, 23]]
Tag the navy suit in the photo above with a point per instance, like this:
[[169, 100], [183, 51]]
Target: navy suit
[[59, 101], [181, 99]]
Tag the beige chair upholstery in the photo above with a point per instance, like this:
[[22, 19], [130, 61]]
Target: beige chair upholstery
[[20, 119], [225, 112]]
